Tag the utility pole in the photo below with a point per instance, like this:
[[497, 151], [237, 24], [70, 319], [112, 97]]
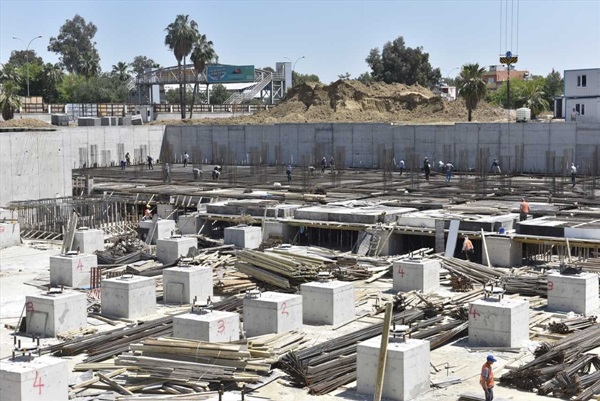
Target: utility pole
[[509, 59]]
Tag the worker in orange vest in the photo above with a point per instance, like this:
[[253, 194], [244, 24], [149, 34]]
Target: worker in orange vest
[[523, 210], [467, 247], [487, 378]]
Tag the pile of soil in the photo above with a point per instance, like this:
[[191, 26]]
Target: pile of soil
[[353, 102], [24, 123]]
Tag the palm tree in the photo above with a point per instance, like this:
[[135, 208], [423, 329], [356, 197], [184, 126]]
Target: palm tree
[[471, 86], [54, 72], [89, 64], [202, 54], [180, 38], [9, 100], [534, 98], [121, 70], [10, 73]]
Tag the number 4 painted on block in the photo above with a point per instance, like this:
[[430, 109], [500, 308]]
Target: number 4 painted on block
[[37, 382], [473, 312]]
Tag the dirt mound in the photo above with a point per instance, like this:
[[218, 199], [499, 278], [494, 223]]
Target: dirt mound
[[24, 123], [354, 102]]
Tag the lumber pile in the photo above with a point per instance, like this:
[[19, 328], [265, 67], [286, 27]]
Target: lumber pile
[[272, 347], [473, 271], [275, 268], [563, 368], [529, 284]]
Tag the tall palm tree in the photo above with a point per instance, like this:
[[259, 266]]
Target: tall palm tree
[[89, 64], [180, 38], [202, 54], [471, 86], [54, 72], [10, 73], [535, 98], [121, 70]]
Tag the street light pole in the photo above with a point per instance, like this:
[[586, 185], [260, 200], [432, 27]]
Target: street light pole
[[27, 57]]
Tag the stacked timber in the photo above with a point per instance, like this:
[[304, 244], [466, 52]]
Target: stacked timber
[[272, 347], [471, 270], [571, 324]]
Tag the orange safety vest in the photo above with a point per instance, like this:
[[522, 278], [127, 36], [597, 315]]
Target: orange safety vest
[[524, 207], [468, 245], [490, 376]]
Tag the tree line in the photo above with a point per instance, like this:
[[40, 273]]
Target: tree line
[[78, 77]]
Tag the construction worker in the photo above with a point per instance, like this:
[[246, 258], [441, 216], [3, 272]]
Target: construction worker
[[197, 173], [467, 247], [288, 171], [216, 173], [573, 171], [186, 159], [426, 168], [147, 214], [449, 169], [332, 164], [323, 164], [495, 167], [523, 210], [128, 159], [149, 159], [441, 165], [167, 173], [487, 378], [401, 166]]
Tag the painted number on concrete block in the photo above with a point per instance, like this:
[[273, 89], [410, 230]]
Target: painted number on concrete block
[[550, 285], [284, 309], [29, 307], [473, 312], [37, 382], [401, 271], [220, 326], [80, 266], [1, 229]]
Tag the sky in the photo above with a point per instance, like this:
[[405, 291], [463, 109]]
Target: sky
[[334, 36]]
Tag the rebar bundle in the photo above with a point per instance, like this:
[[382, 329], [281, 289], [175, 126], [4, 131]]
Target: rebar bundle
[[572, 324]]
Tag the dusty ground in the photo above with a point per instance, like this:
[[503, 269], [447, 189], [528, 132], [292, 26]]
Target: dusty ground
[[24, 123], [30, 261]]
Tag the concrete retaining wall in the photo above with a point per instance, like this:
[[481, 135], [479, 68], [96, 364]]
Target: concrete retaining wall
[[37, 165], [518, 147]]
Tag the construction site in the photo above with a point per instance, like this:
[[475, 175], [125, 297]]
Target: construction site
[[302, 252]]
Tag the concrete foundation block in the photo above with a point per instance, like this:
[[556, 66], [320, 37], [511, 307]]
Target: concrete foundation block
[[51, 314], [44, 378], [164, 229], [416, 274], [59, 119], [10, 235], [190, 224], [277, 230], [406, 370], [72, 270], [182, 284], [243, 237], [573, 293], [271, 313], [129, 297], [88, 241], [168, 250], [498, 323], [327, 302], [215, 326], [503, 251], [165, 211]]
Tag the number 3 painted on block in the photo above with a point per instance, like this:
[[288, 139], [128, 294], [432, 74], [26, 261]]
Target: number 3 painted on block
[[550, 285], [220, 326], [283, 309]]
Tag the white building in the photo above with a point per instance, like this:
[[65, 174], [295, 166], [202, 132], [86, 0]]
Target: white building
[[582, 94]]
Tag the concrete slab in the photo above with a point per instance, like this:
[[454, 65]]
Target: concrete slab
[[129, 297], [330, 302], [51, 314], [213, 326], [43, 378], [573, 293], [272, 312], [498, 323]]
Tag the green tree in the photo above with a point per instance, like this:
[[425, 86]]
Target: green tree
[[471, 86], [121, 70], [141, 63], [180, 38], [269, 69], [74, 43], [52, 77], [89, 65], [553, 86], [68, 86], [10, 73], [401, 64], [218, 94], [19, 58], [534, 97], [517, 94], [365, 78], [344, 77], [299, 79], [35, 72], [9, 100], [202, 54]]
